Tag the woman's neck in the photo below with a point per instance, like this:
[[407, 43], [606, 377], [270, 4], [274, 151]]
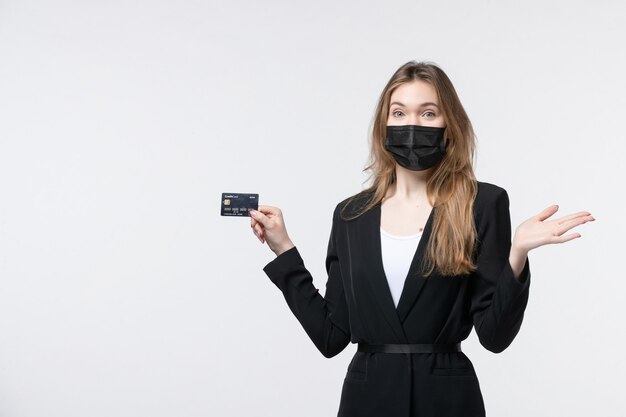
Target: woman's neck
[[410, 186]]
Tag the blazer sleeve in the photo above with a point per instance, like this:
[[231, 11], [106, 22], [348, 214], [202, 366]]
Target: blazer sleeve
[[498, 299], [325, 319]]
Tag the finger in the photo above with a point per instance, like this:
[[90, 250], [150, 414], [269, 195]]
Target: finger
[[567, 238], [574, 216], [269, 210], [547, 212], [570, 224], [257, 236], [265, 214], [260, 217], [255, 225], [258, 232]]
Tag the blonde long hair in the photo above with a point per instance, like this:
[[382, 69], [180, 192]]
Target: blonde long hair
[[451, 188]]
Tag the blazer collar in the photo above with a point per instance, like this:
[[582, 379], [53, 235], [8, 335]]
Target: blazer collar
[[377, 279]]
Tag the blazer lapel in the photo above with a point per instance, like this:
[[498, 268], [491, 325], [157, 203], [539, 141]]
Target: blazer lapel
[[378, 280]]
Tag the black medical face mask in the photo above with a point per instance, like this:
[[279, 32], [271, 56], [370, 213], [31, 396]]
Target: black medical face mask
[[416, 147]]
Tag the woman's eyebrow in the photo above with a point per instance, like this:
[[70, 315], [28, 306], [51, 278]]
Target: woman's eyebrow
[[428, 103]]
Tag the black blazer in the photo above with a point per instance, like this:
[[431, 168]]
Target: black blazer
[[358, 307]]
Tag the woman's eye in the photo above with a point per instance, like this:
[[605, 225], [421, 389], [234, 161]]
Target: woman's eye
[[429, 112], [397, 111]]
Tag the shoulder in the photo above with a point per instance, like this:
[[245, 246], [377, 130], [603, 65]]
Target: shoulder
[[350, 206], [489, 197], [488, 191]]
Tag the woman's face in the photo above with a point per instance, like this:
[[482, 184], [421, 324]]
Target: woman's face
[[415, 103]]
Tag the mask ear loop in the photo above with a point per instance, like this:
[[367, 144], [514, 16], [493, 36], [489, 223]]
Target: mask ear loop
[[444, 143]]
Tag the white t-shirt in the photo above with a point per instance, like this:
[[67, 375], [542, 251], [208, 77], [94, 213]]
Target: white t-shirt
[[397, 254]]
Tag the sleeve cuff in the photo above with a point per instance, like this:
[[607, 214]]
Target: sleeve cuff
[[279, 268], [518, 284]]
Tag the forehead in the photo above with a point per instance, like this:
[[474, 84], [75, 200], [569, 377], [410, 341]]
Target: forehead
[[414, 93]]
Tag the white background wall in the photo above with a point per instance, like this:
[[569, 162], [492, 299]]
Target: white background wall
[[123, 292]]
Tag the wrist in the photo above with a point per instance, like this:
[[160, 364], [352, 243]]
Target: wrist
[[517, 260], [284, 248], [517, 252]]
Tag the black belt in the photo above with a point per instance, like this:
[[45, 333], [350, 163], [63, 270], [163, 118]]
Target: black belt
[[411, 347]]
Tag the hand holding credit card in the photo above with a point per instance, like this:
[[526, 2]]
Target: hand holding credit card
[[267, 222]]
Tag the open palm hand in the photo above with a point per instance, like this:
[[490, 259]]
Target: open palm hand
[[537, 230]]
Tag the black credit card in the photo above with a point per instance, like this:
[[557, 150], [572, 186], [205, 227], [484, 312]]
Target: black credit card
[[238, 204]]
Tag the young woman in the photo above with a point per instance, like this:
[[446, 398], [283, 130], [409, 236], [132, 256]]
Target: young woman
[[416, 260]]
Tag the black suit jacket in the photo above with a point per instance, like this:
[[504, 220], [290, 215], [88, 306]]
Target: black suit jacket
[[358, 307]]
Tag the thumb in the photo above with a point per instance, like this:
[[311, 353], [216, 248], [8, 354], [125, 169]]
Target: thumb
[[259, 215], [547, 212]]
